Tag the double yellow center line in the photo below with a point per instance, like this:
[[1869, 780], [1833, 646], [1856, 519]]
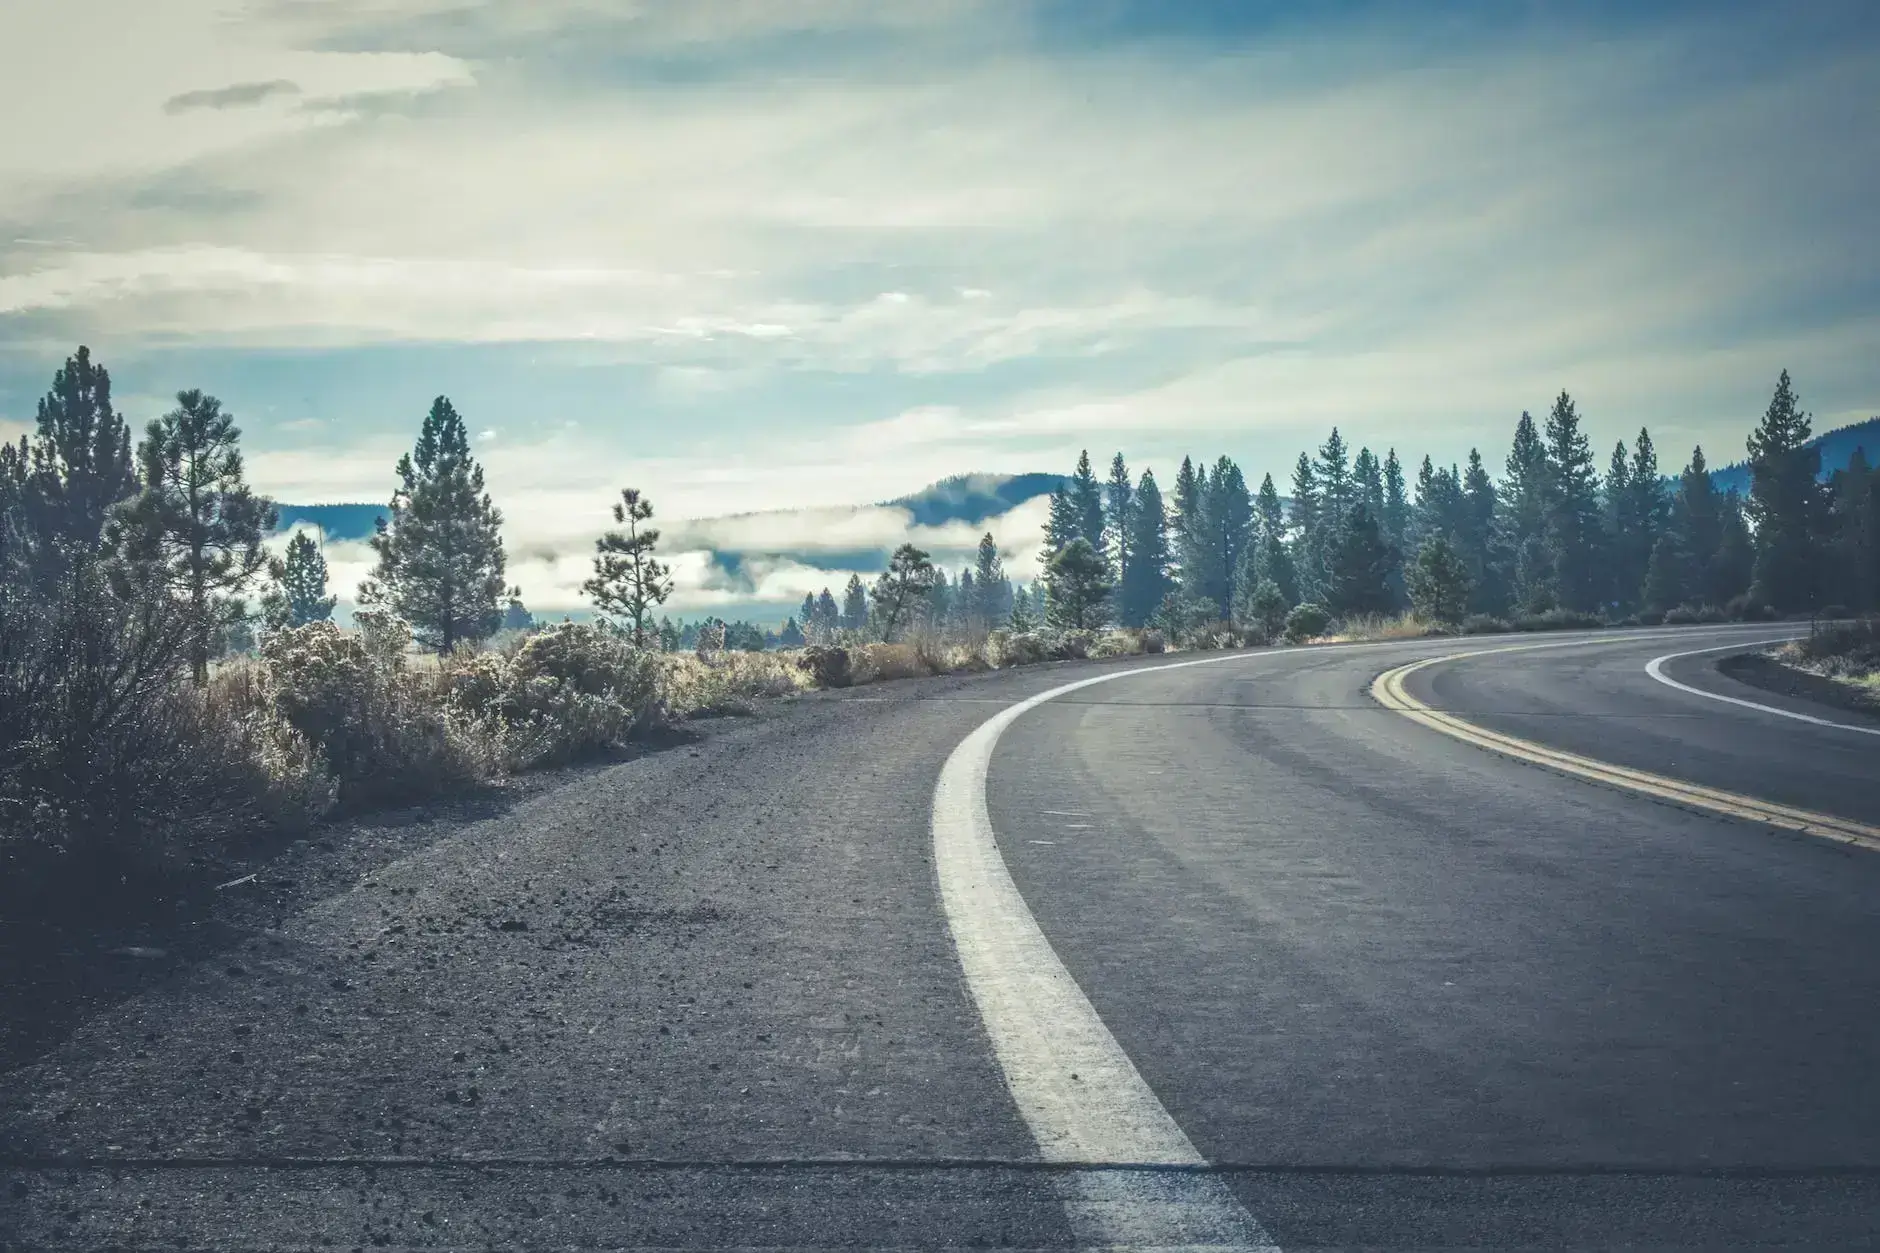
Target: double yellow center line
[[1389, 690]]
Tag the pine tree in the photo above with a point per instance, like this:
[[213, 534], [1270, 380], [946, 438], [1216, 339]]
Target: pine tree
[[1086, 495], [806, 613], [1146, 579], [1856, 531], [1788, 504], [789, 636], [1524, 490], [516, 615], [629, 582], [441, 554], [1060, 524], [1733, 566], [1360, 567], [1573, 509], [1263, 610], [1438, 582], [1305, 497], [1228, 515], [1337, 492], [1119, 523], [1624, 576], [1367, 480], [1268, 511], [1482, 550], [1024, 617], [1188, 523], [298, 595], [80, 468], [196, 528], [1667, 581], [990, 587], [1077, 588], [903, 588], [1394, 517], [1696, 530], [827, 617], [855, 605]]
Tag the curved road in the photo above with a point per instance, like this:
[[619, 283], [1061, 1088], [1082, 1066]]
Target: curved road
[[1395, 990]]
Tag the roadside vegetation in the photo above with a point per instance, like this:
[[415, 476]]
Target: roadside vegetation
[[167, 688]]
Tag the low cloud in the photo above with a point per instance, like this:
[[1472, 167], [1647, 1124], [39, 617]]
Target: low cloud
[[234, 96]]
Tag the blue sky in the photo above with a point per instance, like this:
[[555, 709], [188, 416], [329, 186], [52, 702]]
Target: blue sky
[[775, 254]]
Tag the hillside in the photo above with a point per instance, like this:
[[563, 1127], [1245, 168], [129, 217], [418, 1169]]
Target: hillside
[[1836, 447], [972, 498]]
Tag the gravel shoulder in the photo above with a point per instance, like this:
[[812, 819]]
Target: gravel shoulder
[[724, 957]]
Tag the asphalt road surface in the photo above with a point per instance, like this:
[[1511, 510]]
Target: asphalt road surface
[[1281, 967]]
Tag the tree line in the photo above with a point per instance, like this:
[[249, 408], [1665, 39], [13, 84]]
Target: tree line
[[1552, 535]]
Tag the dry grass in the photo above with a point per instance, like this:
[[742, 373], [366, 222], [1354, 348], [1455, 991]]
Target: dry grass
[[1371, 628], [726, 682]]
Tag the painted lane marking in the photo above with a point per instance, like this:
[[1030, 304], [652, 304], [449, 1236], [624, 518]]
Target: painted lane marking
[[1655, 668], [1389, 690], [1076, 1088]]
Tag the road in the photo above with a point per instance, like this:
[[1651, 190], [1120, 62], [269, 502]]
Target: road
[[1393, 989]]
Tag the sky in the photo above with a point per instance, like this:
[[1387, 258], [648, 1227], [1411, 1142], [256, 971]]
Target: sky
[[795, 255]]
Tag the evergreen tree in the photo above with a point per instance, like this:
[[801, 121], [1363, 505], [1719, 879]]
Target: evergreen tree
[[1439, 582], [1087, 499], [1733, 567], [1228, 515], [937, 610], [1024, 617], [1268, 511], [1788, 504], [1394, 516], [806, 613], [1337, 492], [1060, 523], [1573, 509], [629, 582], [1623, 576], [1360, 567], [1188, 525], [1696, 530], [670, 636], [1119, 524], [1145, 579], [855, 605], [1480, 540], [516, 615], [298, 595], [791, 635], [1305, 497], [1855, 490], [828, 613], [195, 530], [1524, 491], [1667, 575], [80, 468], [1077, 588], [1263, 610], [441, 554], [1367, 480], [903, 588], [991, 589]]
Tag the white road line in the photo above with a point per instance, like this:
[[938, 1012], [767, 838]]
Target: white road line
[[1656, 669], [1075, 1087]]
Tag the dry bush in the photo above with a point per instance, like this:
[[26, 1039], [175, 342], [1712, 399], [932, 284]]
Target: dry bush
[[882, 663], [386, 734], [727, 682], [1365, 628], [113, 766], [566, 692], [1841, 650], [1126, 642]]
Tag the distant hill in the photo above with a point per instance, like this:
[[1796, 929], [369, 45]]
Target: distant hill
[[336, 521], [972, 498], [1836, 447]]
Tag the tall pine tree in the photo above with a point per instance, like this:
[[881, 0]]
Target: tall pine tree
[[1572, 509], [1788, 504], [1119, 516], [77, 470], [196, 527], [441, 553], [1146, 580], [629, 583]]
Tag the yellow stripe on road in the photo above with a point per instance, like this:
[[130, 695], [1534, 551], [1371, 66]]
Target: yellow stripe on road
[[1389, 690]]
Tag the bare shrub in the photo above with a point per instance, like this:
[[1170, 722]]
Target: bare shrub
[[385, 734], [828, 665], [882, 663]]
